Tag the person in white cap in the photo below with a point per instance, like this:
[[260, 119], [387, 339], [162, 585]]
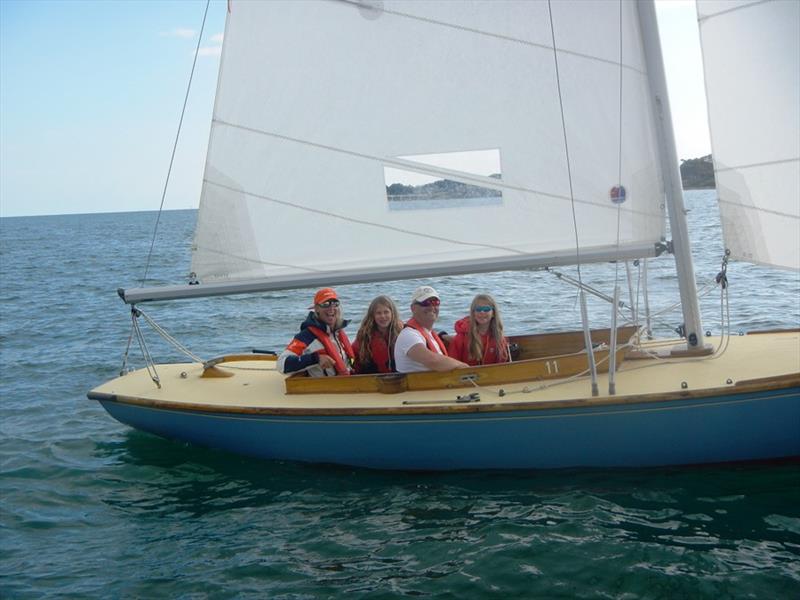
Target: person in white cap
[[418, 348]]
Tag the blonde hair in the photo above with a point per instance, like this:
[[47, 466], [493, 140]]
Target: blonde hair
[[368, 327], [495, 330]]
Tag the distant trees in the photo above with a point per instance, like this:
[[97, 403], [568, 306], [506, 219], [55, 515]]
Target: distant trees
[[697, 173], [398, 189], [441, 189]]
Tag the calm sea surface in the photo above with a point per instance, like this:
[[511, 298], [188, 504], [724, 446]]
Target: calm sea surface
[[93, 509]]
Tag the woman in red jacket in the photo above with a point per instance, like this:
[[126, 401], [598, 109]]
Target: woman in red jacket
[[374, 345], [479, 338]]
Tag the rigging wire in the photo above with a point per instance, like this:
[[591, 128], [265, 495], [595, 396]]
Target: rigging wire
[[584, 313], [620, 196], [646, 297], [169, 338], [123, 369], [175, 144], [150, 364]]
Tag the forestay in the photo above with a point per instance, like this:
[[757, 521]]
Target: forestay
[[751, 56], [322, 105]]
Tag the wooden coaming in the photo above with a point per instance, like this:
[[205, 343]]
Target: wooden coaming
[[540, 356], [211, 368]]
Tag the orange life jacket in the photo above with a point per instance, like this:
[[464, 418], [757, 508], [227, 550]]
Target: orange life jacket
[[331, 349], [431, 337]]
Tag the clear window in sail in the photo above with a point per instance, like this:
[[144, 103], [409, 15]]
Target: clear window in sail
[[444, 180]]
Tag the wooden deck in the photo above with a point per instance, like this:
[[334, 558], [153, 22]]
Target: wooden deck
[[750, 362]]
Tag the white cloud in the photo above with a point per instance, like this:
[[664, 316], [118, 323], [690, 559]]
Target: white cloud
[[180, 32], [214, 50], [210, 51]]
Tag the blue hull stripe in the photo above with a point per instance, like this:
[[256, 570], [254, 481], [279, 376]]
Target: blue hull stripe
[[763, 425]]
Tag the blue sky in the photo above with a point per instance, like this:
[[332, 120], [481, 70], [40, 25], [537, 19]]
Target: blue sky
[[91, 93]]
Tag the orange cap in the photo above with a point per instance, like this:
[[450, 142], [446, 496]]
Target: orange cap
[[324, 295]]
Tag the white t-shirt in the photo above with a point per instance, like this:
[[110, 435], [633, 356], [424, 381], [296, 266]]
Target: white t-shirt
[[407, 339]]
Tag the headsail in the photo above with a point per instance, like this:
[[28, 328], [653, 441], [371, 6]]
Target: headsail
[[751, 57], [320, 107]]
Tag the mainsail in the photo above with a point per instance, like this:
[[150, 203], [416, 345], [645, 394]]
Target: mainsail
[[751, 57], [320, 105]]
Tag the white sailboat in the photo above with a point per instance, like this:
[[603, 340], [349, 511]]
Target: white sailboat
[[554, 117]]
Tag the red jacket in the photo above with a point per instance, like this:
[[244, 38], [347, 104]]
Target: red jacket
[[459, 347]]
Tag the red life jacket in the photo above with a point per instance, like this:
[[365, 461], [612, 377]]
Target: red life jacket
[[492, 351], [331, 349], [430, 337], [382, 360]]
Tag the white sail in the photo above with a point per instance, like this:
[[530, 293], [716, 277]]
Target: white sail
[[321, 104], [751, 57]]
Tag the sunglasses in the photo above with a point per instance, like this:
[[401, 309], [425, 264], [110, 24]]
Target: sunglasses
[[483, 308], [429, 302], [328, 303]]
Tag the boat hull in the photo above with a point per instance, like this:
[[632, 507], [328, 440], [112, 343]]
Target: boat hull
[[729, 427], [741, 403]]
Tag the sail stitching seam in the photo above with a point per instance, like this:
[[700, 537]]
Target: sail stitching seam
[[759, 209], [256, 261], [370, 223], [423, 169], [762, 164], [500, 36], [730, 10]]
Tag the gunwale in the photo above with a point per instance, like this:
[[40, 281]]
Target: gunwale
[[784, 382], [743, 351]]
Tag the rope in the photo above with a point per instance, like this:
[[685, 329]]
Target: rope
[[619, 152], [149, 363], [175, 144], [584, 315], [647, 319], [634, 298], [164, 334], [706, 289], [612, 386], [724, 309], [124, 366]]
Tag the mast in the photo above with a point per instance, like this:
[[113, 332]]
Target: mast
[[672, 181]]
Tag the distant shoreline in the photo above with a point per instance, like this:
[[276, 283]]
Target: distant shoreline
[[696, 174]]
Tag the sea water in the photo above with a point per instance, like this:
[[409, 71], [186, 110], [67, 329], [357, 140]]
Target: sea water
[[93, 509]]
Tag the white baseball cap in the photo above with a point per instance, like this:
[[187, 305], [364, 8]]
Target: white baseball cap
[[422, 293]]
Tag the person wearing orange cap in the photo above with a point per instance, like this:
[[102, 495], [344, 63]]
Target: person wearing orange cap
[[321, 348]]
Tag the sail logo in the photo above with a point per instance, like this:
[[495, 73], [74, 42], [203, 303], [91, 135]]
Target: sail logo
[[618, 194]]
